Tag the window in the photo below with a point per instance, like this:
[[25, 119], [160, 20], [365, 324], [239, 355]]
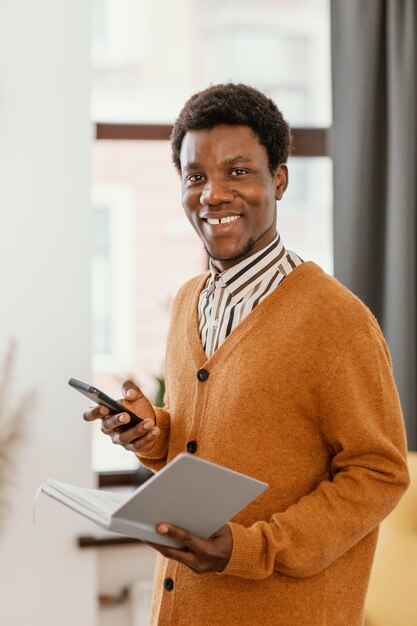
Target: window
[[144, 68], [113, 273], [149, 56]]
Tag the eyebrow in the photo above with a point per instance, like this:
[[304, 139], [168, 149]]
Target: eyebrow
[[194, 165]]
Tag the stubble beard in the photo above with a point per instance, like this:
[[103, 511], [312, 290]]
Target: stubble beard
[[240, 255]]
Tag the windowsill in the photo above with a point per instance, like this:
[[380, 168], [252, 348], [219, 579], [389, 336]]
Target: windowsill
[[124, 478], [95, 541]]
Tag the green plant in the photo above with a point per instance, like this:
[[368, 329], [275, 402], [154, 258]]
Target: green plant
[[160, 391]]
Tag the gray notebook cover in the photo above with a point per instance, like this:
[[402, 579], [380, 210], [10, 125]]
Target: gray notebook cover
[[189, 492]]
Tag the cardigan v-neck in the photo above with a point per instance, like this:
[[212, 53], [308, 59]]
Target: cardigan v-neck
[[193, 335], [230, 295]]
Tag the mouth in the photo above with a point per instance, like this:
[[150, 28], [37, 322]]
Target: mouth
[[221, 221]]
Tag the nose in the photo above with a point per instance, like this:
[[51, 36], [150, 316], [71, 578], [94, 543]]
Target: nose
[[216, 192]]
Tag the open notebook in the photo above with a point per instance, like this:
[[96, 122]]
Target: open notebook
[[188, 492]]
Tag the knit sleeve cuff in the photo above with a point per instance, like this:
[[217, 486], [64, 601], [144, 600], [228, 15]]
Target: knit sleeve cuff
[[248, 553], [160, 448]]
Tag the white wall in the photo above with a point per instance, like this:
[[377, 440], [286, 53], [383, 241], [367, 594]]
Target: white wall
[[126, 567], [44, 300]]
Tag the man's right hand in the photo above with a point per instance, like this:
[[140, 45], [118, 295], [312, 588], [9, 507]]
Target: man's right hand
[[138, 439]]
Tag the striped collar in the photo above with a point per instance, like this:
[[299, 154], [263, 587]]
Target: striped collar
[[230, 296], [240, 278]]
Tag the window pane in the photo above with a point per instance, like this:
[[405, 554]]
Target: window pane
[[100, 281], [305, 215], [149, 56], [151, 250]]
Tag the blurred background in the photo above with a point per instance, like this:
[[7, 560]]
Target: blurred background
[[143, 70], [94, 244]]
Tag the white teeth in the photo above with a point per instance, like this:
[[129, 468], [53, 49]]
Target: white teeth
[[223, 220]]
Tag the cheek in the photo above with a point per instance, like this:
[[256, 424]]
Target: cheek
[[261, 195], [263, 208], [189, 204]]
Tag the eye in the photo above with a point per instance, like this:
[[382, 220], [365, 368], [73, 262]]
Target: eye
[[239, 171], [194, 178]]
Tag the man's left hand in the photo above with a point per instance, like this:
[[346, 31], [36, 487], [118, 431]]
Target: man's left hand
[[200, 555]]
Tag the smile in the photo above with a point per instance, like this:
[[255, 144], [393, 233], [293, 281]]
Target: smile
[[223, 220]]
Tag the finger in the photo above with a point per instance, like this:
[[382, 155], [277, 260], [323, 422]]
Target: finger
[[142, 444], [187, 539], [114, 421], [139, 438], [137, 432], [131, 391], [95, 413], [137, 401], [182, 555], [159, 548]]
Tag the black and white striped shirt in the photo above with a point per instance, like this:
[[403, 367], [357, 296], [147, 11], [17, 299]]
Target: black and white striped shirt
[[228, 297]]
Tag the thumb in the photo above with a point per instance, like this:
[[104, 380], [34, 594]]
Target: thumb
[[141, 405]]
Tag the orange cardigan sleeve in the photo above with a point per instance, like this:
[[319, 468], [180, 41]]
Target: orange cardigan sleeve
[[362, 426], [156, 457]]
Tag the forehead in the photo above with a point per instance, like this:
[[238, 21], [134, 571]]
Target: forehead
[[221, 143]]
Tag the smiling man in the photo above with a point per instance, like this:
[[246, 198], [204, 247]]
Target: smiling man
[[228, 191], [276, 370]]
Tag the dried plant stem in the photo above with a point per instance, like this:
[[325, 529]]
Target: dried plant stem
[[13, 423]]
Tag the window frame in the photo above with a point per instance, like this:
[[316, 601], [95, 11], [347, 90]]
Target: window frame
[[307, 142]]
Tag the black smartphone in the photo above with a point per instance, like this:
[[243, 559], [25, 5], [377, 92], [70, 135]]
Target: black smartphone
[[101, 398]]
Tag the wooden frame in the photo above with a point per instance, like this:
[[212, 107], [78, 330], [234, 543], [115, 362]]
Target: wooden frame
[[307, 142]]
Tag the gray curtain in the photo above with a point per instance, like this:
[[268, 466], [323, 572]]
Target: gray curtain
[[374, 146]]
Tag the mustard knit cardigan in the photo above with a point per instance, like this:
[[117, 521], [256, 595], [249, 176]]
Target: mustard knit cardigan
[[301, 395]]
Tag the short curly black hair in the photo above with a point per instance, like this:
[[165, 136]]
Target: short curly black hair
[[237, 105]]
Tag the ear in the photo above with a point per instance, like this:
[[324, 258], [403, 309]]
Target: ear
[[281, 181]]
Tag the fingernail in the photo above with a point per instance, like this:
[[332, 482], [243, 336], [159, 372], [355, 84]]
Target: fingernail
[[130, 393], [124, 418], [104, 410], [147, 425], [154, 431], [163, 529]]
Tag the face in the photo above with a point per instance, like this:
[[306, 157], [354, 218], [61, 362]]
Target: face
[[228, 192]]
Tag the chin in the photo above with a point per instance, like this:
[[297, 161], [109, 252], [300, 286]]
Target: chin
[[231, 255]]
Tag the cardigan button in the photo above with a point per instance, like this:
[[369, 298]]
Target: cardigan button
[[168, 584], [192, 446], [202, 375]]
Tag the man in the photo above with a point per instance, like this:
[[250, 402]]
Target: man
[[276, 370]]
